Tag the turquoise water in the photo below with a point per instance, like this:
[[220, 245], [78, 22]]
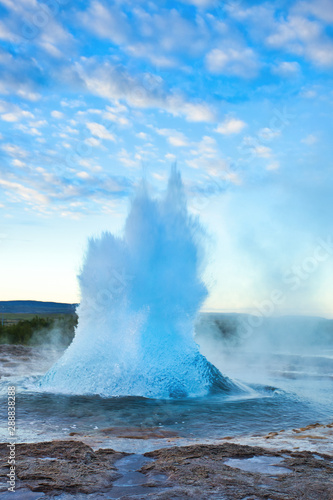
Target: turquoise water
[[284, 403]]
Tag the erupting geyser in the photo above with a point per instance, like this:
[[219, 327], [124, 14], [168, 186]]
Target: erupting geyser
[[139, 298]]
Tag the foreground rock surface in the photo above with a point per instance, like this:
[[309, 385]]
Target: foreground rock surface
[[58, 466], [73, 470], [201, 472]]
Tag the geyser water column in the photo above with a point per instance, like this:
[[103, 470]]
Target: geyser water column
[[140, 295]]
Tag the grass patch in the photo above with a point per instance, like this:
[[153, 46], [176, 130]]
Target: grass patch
[[29, 329]]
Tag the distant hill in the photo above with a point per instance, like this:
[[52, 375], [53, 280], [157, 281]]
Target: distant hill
[[36, 307]]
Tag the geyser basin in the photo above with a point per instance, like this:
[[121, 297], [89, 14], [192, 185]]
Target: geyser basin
[[140, 295]]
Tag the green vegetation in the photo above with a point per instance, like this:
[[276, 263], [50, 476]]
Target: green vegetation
[[24, 316], [37, 330]]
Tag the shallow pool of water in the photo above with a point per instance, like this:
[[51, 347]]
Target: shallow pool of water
[[137, 425]]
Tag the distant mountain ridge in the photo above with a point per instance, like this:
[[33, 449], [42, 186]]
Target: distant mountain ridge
[[36, 307]]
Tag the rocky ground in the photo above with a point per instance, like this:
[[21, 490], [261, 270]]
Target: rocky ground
[[58, 466], [230, 471], [206, 471]]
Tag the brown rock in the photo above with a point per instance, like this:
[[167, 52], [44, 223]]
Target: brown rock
[[62, 466], [202, 467]]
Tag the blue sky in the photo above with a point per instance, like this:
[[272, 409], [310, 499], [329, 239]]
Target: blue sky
[[94, 95]]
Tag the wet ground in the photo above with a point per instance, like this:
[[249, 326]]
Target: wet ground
[[67, 470]]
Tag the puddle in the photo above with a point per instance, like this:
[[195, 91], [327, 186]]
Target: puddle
[[262, 465], [131, 479], [22, 494], [131, 463], [133, 482]]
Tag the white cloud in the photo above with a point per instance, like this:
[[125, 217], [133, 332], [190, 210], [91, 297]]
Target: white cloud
[[83, 175], [25, 93], [233, 61], [267, 134], [322, 9], [304, 37], [294, 29], [116, 114], [55, 40], [44, 30], [197, 112], [148, 51], [310, 93], [201, 3], [310, 140], [178, 141], [25, 193], [218, 169], [171, 157], [143, 136], [14, 150], [275, 165], [13, 113], [42, 187], [38, 123], [300, 30], [71, 130], [115, 83], [125, 158], [92, 141], [85, 162], [76, 103], [175, 138], [207, 148], [160, 177], [109, 23], [98, 130], [6, 34], [5, 57], [252, 146], [15, 79], [206, 158], [160, 35], [57, 114], [9, 117], [29, 130], [18, 163], [262, 151], [287, 69], [231, 126]]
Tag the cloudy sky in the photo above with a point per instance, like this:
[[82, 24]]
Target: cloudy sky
[[95, 95]]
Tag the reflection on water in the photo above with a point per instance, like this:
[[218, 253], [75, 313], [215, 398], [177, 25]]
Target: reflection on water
[[261, 464]]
